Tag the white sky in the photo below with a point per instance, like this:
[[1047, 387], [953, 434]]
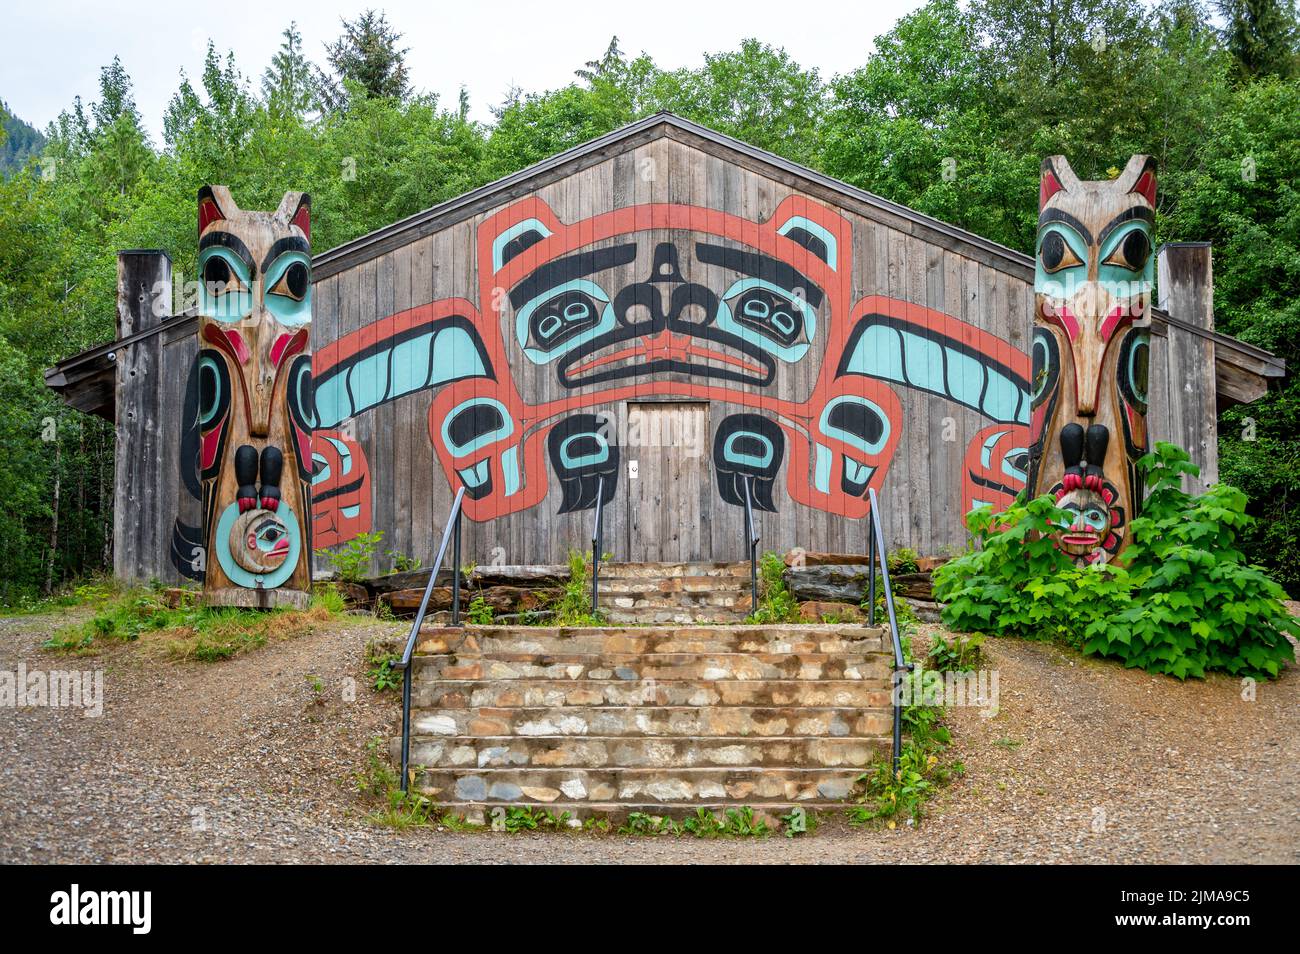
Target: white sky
[[55, 48]]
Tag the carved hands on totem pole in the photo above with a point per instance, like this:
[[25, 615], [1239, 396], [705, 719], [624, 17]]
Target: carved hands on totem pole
[[1092, 288], [255, 399]]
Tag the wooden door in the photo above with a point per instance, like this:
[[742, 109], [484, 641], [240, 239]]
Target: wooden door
[[669, 481]]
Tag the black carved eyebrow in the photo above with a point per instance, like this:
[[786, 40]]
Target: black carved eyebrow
[[759, 266], [566, 269], [229, 241], [1056, 215], [1128, 215], [291, 243]]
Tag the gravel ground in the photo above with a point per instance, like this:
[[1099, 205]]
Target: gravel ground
[[245, 761]]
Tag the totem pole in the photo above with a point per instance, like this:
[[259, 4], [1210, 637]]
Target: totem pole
[[255, 400], [1092, 291]]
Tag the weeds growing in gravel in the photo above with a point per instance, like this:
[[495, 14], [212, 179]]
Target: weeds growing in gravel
[[176, 624], [734, 823]]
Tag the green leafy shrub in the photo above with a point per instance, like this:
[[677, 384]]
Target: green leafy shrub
[[1181, 601], [904, 560], [352, 560], [961, 653]]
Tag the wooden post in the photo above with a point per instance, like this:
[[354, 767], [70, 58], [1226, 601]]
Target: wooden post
[[255, 400], [1091, 350], [144, 294], [1185, 284]]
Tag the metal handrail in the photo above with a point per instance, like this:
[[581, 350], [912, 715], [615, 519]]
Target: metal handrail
[[751, 540], [597, 537], [450, 533], [877, 549]]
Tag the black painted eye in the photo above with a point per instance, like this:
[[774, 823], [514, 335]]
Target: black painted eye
[[1133, 252], [563, 317], [773, 314], [1055, 252], [219, 277], [293, 282]]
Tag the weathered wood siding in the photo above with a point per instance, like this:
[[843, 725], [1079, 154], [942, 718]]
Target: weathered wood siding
[[656, 192]]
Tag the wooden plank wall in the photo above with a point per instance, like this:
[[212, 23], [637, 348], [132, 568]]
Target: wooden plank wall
[[921, 495]]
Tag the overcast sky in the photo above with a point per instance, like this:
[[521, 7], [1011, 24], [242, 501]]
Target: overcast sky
[[53, 49]]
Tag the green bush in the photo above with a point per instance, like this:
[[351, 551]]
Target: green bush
[[1181, 600]]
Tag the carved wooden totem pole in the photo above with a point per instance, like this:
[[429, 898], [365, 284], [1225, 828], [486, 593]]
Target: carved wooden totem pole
[[1092, 288], [255, 407]]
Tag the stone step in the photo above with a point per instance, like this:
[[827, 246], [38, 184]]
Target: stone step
[[553, 693], [681, 585], [549, 640], [654, 721], [661, 571], [719, 600], [595, 752], [681, 616], [629, 667], [686, 787]]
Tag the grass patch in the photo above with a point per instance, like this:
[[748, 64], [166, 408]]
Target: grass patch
[[178, 627]]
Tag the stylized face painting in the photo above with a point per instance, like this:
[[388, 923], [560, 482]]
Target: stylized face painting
[[254, 395], [1091, 344], [687, 302]]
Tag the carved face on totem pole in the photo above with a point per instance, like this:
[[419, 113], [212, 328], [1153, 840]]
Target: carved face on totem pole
[[255, 399], [1092, 290]]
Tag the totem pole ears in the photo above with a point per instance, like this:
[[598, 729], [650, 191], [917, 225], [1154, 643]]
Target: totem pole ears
[[1139, 176], [1055, 175], [295, 209], [215, 204]]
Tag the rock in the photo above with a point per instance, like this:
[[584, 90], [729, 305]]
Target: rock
[[841, 583], [815, 611], [810, 558], [541, 575], [408, 580], [471, 788]]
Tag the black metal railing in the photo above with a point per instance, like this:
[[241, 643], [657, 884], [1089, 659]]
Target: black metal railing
[[597, 537], [877, 550], [450, 534], [751, 541]]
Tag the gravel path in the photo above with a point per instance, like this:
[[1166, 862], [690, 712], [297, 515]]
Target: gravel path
[[246, 761]]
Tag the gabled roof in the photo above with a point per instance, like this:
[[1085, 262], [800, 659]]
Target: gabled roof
[[1242, 370]]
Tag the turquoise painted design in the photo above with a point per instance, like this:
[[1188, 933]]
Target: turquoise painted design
[[490, 437], [1120, 280], [786, 323], [752, 460], [288, 310], [584, 460], [510, 471], [822, 469], [907, 358], [1008, 468], [812, 228], [237, 574], [214, 372], [509, 235], [233, 303], [555, 323], [423, 361], [847, 436], [475, 476]]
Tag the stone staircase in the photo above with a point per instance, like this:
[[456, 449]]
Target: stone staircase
[[660, 719], [657, 593]]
